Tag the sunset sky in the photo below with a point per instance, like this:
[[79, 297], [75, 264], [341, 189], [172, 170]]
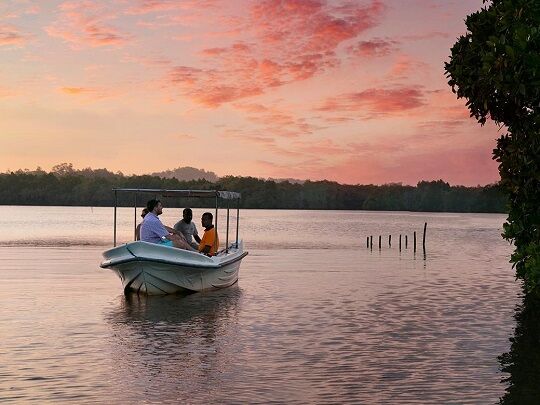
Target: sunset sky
[[352, 91]]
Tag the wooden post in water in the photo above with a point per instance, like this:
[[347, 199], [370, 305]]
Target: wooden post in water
[[414, 238], [406, 241], [367, 242], [424, 238], [400, 242], [371, 242], [389, 240], [379, 242]]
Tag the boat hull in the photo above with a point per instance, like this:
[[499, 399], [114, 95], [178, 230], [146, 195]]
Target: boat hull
[[157, 270]]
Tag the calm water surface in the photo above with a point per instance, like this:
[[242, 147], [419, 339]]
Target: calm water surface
[[315, 318]]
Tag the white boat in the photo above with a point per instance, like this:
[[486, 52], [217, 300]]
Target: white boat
[[152, 269]]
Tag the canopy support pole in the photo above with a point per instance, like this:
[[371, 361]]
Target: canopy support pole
[[227, 238], [115, 204], [237, 219], [135, 217], [215, 226]]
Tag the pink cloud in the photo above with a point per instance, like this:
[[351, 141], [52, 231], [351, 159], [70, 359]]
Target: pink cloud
[[204, 86], [406, 66], [153, 6], [383, 162], [428, 35], [322, 147], [83, 23], [376, 47], [10, 35], [279, 122], [295, 40], [373, 103]]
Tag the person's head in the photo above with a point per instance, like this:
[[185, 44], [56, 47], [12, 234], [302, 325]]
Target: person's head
[[187, 214], [206, 219], [154, 206], [144, 212]]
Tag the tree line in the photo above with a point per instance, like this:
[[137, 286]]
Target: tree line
[[66, 186]]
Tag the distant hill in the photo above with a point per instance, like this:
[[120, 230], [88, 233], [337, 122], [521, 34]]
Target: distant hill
[[187, 174]]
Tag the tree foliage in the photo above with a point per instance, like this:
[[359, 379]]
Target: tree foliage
[[496, 67], [67, 186]]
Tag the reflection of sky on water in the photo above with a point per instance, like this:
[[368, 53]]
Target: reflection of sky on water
[[342, 324], [260, 229], [175, 343]]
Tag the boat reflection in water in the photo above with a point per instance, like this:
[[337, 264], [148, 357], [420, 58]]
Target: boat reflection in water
[[522, 362], [168, 348]]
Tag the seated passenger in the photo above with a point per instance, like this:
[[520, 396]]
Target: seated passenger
[[138, 229], [209, 244], [153, 231], [187, 228]]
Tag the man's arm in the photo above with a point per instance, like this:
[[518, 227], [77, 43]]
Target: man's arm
[[172, 230], [196, 234]]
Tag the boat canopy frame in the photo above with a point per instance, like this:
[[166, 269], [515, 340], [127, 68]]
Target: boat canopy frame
[[216, 194]]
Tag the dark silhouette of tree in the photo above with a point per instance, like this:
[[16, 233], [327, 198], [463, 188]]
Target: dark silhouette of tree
[[496, 67]]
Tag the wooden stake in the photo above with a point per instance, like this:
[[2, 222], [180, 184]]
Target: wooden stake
[[367, 242], [400, 242], [389, 240], [379, 242], [424, 238], [414, 237], [371, 242], [406, 241]]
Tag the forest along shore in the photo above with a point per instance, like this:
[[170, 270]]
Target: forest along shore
[[88, 187]]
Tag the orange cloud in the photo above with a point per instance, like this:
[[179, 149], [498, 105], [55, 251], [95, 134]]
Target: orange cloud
[[75, 90], [89, 93]]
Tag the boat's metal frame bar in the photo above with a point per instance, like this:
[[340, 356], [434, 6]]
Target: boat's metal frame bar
[[227, 238], [228, 195], [215, 230], [115, 205], [237, 220], [135, 217]]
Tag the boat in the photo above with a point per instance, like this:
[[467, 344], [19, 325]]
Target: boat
[[153, 269]]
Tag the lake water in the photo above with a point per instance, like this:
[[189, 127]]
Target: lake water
[[315, 318]]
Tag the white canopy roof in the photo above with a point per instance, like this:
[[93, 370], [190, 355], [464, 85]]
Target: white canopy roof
[[226, 195]]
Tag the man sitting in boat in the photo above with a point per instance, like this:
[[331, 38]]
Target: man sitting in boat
[[209, 244], [153, 231], [187, 228]]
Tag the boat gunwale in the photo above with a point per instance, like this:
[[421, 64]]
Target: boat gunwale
[[163, 261]]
